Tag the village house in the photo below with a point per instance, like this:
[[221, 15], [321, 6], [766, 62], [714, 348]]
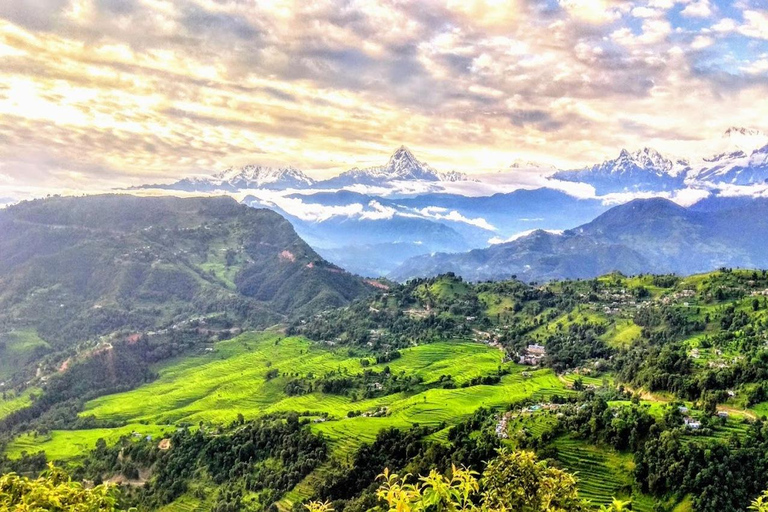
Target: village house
[[533, 355], [691, 423]]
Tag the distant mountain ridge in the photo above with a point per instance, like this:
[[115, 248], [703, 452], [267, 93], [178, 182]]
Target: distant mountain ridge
[[401, 166], [645, 169], [740, 157], [642, 236], [372, 235], [247, 177]]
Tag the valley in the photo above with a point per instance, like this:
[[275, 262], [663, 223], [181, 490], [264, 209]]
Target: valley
[[438, 359], [383, 256]]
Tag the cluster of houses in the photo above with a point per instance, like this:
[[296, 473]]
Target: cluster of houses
[[378, 413], [678, 296], [533, 355], [501, 426], [692, 423], [502, 432], [541, 407]]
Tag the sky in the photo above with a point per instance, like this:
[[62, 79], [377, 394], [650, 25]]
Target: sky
[[108, 93]]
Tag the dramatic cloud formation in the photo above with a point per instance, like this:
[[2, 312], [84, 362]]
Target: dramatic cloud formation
[[103, 93]]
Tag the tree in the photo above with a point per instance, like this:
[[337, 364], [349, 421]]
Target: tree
[[54, 491], [518, 481]]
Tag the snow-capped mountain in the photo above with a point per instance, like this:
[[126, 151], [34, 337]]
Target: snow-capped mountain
[[645, 169], [242, 178], [736, 168], [739, 159], [256, 176], [745, 139], [531, 165], [402, 166]]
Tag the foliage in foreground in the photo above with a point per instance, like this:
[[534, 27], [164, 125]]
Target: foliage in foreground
[[512, 481], [54, 491]]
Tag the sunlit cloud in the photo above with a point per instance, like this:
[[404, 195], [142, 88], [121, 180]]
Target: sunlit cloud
[[96, 94]]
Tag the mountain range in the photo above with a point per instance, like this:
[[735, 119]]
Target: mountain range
[[372, 235], [642, 236], [740, 157], [401, 166], [645, 169], [372, 220]]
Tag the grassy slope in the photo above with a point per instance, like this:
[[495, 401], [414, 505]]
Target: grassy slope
[[64, 444], [15, 402], [20, 347]]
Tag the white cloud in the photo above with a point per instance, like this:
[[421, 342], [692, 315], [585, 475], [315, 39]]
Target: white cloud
[[756, 68], [755, 24], [700, 42], [662, 4], [438, 213], [683, 197], [725, 25], [646, 12], [698, 9], [377, 211], [593, 11]]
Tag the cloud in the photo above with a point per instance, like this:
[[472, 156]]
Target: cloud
[[755, 24], [757, 67], [646, 12], [701, 42], [433, 212], [135, 91], [698, 9]]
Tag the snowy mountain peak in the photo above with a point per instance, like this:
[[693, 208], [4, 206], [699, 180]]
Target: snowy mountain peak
[[530, 164], [401, 166], [647, 159], [644, 169], [734, 131], [404, 163], [743, 139], [258, 176], [242, 178]]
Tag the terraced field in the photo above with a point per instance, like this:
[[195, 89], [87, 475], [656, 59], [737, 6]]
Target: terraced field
[[603, 474], [231, 380], [14, 402], [17, 348], [67, 444], [623, 333]]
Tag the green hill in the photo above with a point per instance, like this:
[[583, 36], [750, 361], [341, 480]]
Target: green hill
[[76, 269]]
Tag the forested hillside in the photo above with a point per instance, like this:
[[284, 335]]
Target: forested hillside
[[76, 269]]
